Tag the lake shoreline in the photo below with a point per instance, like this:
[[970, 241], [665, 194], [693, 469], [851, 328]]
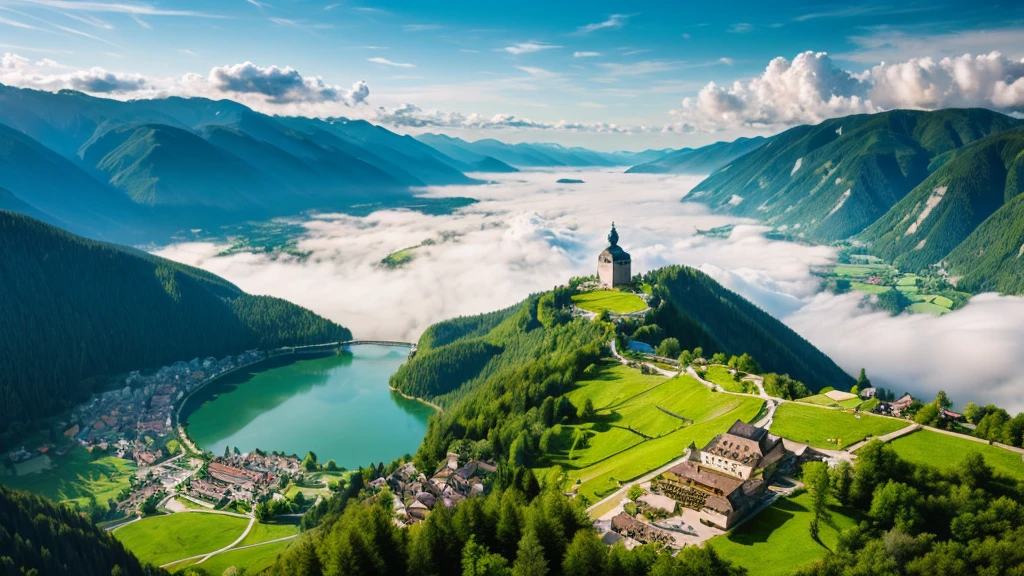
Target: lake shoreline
[[416, 398]]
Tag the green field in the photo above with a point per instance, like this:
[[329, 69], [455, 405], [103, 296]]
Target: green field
[[162, 539], [720, 375], [869, 288], [816, 426], [75, 476], [633, 434], [253, 560], [823, 400], [778, 541], [267, 532], [946, 452], [610, 300]]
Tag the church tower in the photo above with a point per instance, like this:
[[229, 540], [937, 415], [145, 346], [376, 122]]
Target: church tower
[[613, 265]]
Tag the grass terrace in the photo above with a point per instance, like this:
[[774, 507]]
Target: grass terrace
[[947, 452], [778, 541], [819, 426], [643, 422], [613, 301], [162, 539]]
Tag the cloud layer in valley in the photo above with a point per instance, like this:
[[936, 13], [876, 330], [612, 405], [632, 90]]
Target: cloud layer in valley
[[528, 234]]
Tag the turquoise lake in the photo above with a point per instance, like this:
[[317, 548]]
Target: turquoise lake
[[340, 407]]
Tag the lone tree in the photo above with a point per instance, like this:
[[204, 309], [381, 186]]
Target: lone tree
[[818, 485], [862, 380]]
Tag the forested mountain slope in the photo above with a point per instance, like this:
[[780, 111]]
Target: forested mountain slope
[[73, 309], [971, 185], [703, 160], [701, 312], [40, 537], [832, 180], [992, 257], [141, 170]]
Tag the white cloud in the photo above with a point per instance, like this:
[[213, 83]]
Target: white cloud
[[528, 47], [585, 54], [613, 21], [420, 27], [282, 85], [727, 61], [811, 88], [49, 75], [120, 8], [741, 28], [537, 72], [386, 62]]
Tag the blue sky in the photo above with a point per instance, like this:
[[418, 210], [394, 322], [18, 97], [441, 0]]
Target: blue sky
[[607, 74]]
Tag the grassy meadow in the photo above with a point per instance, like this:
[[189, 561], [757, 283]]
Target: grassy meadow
[[642, 423], [252, 560], [720, 375], [818, 426], [267, 532], [611, 300], [947, 452], [162, 539], [778, 541], [76, 476]]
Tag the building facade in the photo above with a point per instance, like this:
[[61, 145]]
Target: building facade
[[614, 264], [728, 478]]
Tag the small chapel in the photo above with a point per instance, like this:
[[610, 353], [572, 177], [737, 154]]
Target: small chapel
[[613, 265]]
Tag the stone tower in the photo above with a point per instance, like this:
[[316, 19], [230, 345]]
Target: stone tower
[[613, 265]]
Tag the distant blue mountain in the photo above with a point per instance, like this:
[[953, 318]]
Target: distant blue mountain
[[703, 160], [534, 155]]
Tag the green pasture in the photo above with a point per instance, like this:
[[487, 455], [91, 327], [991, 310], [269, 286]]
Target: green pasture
[[162, 539], [947, 452], [610, 300], [778, 541], [76, 476], [820, 427]]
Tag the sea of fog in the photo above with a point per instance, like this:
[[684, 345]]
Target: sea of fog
[[528, 234]]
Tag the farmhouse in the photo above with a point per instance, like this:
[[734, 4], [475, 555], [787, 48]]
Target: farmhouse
[[614, 263], [727, 479]]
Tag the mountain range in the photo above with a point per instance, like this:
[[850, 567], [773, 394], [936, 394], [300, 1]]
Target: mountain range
[[703, 160], [74, 310], [140, 171], [918, 188], [536, 155]]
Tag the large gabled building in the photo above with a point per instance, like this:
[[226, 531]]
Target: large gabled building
[[728, 478]]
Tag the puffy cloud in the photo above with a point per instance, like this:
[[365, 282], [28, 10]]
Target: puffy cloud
[[282, 85], [989, 80], [811, 88], [272, 89], [47, 74]]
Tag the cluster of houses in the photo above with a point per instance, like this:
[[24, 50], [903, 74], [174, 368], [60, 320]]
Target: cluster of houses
[[898, 407], [415, 494], [243, 477]]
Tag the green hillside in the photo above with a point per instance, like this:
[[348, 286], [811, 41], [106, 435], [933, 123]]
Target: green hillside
[[940, 213], [73, 309], [832, 180], [40, 537], [700, 312], [992, 257]]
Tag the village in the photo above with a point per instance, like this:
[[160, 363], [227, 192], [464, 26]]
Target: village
[[415, 494]]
